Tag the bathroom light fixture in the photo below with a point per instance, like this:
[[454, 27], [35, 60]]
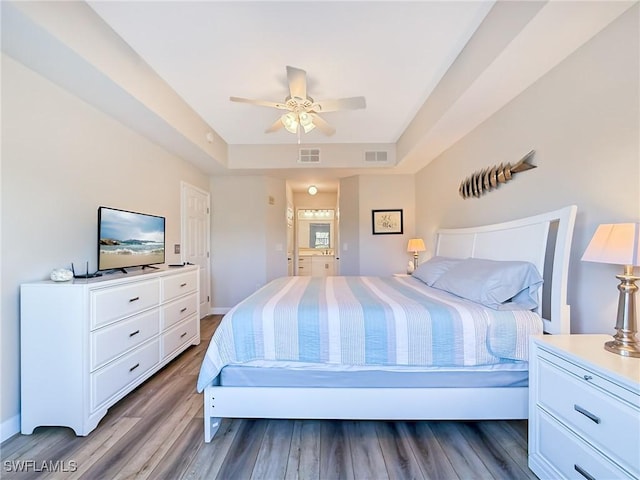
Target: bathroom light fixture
[[312, 190], [415, 245], [620, 244]]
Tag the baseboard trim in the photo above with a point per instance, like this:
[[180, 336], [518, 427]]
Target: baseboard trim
[[220, 310], [9, 428]]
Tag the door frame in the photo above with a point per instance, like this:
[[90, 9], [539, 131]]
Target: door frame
[[183, 236]]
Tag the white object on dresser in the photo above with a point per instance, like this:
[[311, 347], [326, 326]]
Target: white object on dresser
[[584, 409], [87, 343]]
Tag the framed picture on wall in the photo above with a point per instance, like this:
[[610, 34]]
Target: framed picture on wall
[[386, 222]]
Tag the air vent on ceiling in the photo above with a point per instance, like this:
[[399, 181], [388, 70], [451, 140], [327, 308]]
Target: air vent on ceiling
[[375, 157], [309, 155]]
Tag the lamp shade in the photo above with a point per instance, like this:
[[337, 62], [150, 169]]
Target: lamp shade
[[617, 243], [416, 245]]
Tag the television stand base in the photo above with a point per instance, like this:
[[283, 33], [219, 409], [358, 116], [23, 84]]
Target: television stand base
[[149, 266]]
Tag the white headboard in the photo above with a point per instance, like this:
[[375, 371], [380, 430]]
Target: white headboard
[[544, 240]]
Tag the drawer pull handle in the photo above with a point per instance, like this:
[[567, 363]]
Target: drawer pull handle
[[134, 299], [181, 336], [583, 472], [183, 285], [587, 413], [134, 333], [134, 367], [587, 377], [183, 310]]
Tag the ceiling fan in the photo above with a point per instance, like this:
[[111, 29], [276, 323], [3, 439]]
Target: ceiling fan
[[302, 110]]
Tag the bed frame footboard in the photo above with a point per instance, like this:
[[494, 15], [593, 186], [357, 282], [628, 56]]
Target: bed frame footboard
[[362, 404]]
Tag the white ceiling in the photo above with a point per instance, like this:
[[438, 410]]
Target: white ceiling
[[392, 53], [431, 71]]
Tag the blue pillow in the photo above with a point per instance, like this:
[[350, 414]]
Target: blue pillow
[[432, 269], [501, 285]]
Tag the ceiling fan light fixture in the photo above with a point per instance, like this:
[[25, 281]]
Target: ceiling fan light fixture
[[302, 109], [306, 121], [290, 122]]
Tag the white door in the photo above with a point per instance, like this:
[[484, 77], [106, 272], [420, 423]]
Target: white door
[[195, 238]]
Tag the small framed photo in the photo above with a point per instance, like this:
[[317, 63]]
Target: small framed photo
[[386, 222]]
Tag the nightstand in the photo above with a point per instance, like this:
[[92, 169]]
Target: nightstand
[[584, 409]]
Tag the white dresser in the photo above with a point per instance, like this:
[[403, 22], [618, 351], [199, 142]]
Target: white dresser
[[85, 344], [584, 409]]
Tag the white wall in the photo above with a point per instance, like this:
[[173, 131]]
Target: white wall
[[582, 119], [385, 254], [61, 159], [320, 200], [248, 236], [275, 248], [369, 254], [349, 221]]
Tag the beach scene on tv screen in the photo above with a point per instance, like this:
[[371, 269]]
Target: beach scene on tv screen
[[130, 239]]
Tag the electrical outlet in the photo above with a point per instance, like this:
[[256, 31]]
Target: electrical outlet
[[176, 248]]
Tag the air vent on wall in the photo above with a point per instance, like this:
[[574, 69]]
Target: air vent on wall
[[375, 157], [309, 155]]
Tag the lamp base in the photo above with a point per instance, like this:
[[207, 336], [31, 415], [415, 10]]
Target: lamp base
[[623, 348], [625, 342]]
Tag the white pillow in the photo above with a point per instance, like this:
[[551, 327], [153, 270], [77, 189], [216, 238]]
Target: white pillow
[[432, 269], [501, 285]]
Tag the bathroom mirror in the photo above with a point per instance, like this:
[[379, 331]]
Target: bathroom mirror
[[315, 229]]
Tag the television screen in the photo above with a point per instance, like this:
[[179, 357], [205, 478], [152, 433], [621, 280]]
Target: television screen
[[129, 239]]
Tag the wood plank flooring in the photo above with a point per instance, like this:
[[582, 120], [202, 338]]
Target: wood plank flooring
[[156, 432]]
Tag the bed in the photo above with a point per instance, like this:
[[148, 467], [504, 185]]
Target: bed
[[439, 344]]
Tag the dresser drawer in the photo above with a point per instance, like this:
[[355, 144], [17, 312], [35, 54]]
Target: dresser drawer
[[111, 304], [571, 456], [178, 310], [109, 342], [108, 381], [177, 336], [611, 424], [177, 285]]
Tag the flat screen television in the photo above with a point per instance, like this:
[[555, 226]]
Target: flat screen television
[[129, 239]]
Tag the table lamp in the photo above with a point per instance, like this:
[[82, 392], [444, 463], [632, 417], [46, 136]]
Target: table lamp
[[415, 245], [620, 244]]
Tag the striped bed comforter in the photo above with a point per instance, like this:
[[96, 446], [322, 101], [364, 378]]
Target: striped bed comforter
[[365, 321]]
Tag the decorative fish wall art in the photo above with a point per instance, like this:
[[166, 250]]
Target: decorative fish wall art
[[488, 179]]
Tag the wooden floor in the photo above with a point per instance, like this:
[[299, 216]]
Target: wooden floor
[[157, 432]]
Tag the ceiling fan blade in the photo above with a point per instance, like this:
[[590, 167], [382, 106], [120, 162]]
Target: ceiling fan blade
[[264, 103], [275, 126], [297, 82], [322, 125], [351, 103]]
